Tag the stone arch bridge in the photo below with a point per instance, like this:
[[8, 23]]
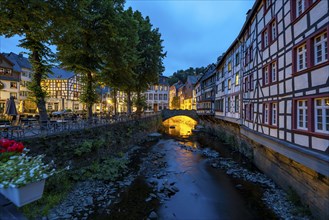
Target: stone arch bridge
[[166, 114]]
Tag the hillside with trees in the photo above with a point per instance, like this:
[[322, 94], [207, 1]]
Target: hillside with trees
[[181, 75]]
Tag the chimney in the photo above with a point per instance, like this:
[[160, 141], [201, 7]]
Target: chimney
[[248, 13]]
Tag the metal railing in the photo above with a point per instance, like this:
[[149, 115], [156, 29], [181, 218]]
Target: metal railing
[[32, 127]]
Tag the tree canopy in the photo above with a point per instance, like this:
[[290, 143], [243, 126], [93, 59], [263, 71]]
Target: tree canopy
[[96, 39]]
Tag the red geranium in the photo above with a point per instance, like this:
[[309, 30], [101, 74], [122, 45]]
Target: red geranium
[[7, 145]]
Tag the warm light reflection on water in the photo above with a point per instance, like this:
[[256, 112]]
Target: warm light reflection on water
[[180, 126]]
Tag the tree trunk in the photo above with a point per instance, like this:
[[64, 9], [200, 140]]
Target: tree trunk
[[89, 92], [115, 101], [128, 102], [37, 89]]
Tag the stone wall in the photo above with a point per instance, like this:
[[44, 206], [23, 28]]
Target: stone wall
[[107, 140], [306, 174]]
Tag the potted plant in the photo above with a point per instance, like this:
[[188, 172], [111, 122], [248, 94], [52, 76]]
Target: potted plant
[[22, 177]]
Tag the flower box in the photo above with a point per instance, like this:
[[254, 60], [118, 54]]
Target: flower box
[[25, 194]]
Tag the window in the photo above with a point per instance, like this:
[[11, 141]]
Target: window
[[251, 81], [76, 106], [249, 111], [300, 7], [301, 57], [320, 48], [155, 96], [236, 103], [23, 93], [265, 38], [273, 31], [219, 105], [160, 96], [311, 52], [246, 84], [229, 84], [223, 86], [274, 114], [237, 59], [246, 57], [59, 85], [302, 114], [150, 96], [75, 94], [266, 113], [165, 97], [273, 72], [321, 119], [237, 78], [13, 85], [229, 66], [266, 76], [269, 74], [269, 34], [50, 106], [251, 57], [228, 104]]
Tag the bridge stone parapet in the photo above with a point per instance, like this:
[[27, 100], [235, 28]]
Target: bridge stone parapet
[[166, 114]]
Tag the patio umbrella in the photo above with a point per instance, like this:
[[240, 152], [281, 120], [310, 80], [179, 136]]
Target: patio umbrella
[[11, 107]]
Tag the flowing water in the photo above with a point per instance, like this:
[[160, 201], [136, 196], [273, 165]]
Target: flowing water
[[200, 192]]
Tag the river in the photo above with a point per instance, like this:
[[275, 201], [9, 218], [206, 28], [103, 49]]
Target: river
[[175, 180]]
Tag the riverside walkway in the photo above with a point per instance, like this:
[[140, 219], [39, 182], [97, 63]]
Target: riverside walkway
[[8, 211], [34, 128]]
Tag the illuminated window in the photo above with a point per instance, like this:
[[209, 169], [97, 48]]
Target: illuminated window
[[237, 78]]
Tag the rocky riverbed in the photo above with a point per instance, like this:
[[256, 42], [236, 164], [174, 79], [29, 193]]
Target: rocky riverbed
[[158, 183]]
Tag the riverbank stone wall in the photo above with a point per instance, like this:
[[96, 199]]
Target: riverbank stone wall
[[310, 186]]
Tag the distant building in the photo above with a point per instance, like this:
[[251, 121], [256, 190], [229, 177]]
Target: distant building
[[157, 96], [22, 76], [189, 93], [63, 90], [205, 91], [173, 95]]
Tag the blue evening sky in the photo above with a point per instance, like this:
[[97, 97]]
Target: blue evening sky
[[195, 32]]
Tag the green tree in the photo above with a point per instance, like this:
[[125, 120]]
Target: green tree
[[31, 20], [121, 56], [80, 40], [150, 51]]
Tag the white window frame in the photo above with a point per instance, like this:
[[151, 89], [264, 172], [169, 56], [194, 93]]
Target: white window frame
[[302, 117], [274, 113], [320, 48], [266, 113], [266, 38], [324, 107], [273, 30], [273, 72], [300, 7], [301, 57], [266, 75]]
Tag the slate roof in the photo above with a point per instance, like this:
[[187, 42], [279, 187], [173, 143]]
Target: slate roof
[[163, 80], [59, 73], [18, 60], [192, 79]]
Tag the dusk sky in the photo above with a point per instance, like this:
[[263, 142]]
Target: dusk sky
[[195, 32]]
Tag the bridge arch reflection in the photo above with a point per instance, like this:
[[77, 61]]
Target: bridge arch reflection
[[180, 126]]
